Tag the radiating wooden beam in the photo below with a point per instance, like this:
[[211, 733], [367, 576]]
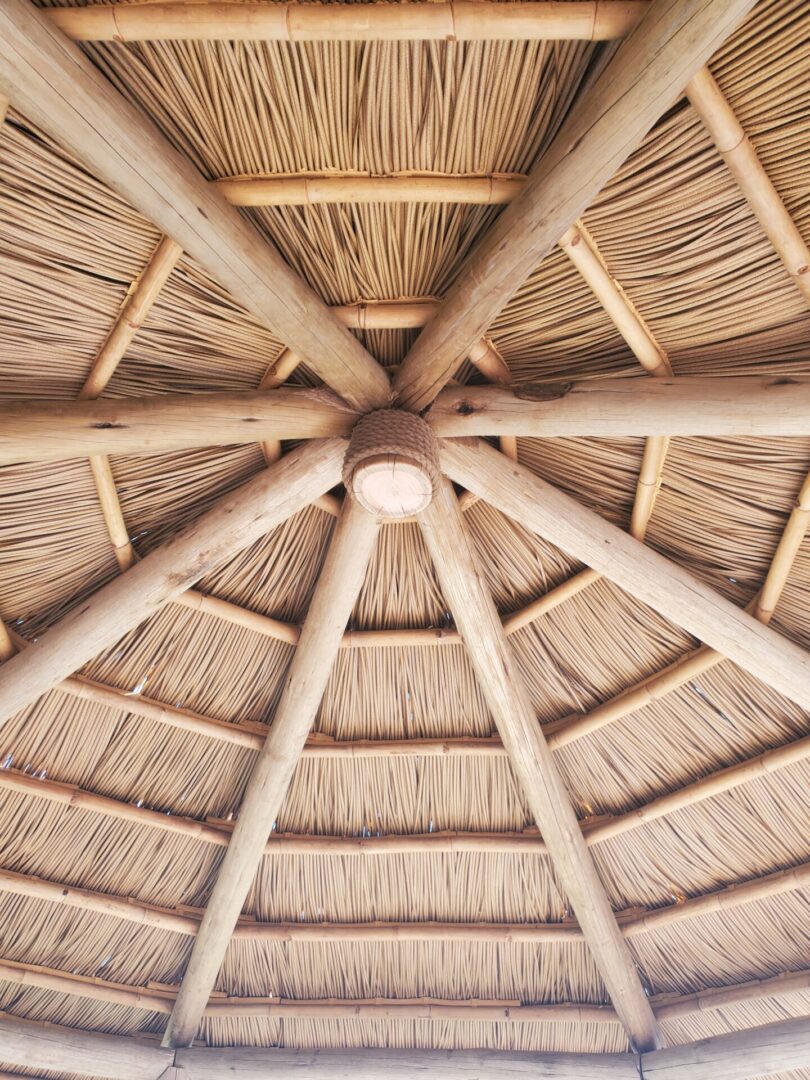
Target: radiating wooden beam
[[33, 1044], [683, 406], [589, 20], [649, 577], [159, 423], [53, 83], [753, 181], [704, 406], [232, 524], [335, 594], [774, 1048], [478, 623], [644, 77]]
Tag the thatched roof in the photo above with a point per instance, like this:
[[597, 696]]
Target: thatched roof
[[104, 792]]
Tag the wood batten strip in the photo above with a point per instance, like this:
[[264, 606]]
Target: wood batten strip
[[753, 181], [54, 84], [140, 299], [643, 78], [354, 189], [644, 574], [216, 831], [335, 594], [590, 20], [476, 617], [233, 523], [161, 999], [186, 921]]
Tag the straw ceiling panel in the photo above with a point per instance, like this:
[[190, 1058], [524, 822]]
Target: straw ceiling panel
[[678, 235]]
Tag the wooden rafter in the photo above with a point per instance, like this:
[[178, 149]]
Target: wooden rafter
[[478, 623], [338, 586], [231, 525], [647, 73], [742, 406], [651, 578], [50, 80]]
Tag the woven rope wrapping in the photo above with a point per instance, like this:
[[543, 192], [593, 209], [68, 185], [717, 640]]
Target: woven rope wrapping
[[393, 431]]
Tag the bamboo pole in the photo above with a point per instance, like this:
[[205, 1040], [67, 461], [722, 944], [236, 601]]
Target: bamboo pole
[[184, 920], [57, 87], [111, 511], [595, 830], [785, 556], [232, 524], [353, 189], [641, 80], [335, 594], [476, 617], [161, 998], [589, 20], [644, 574], [743, 162]]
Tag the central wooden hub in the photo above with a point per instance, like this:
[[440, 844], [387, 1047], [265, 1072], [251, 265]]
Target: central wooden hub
[[391, 466]]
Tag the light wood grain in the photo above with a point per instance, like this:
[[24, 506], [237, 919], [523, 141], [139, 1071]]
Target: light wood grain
[[646, 75], [649, 577]]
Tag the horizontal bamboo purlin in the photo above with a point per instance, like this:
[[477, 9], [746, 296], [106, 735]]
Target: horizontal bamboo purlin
[[405, 898]]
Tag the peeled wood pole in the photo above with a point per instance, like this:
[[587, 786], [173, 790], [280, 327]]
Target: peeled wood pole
[[50, 79], [595, 408], [29, 1044], [590, 20], [646, 75], [231, 525], [774, 1048], [162, 422], [743, 162], [479, 625], [340, 582], [649, 577]]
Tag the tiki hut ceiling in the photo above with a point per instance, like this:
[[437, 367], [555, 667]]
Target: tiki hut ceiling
[[602, 615]]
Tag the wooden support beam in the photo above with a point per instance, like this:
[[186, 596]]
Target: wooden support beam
[[673, 1006], [649, 577], [53, 83], [339, 583], [743, 162], [589, 20], [29, 1044], [684, 405], [231, 525], [248, 1063], [774, 1048], [478, 623], [645, 76], [55, 430]]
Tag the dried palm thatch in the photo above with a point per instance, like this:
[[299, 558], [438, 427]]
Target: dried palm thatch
[[686, 256]]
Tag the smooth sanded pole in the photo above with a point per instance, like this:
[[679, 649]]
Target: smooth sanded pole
[[647, 74], [340, 582], [477, 619], [609, 408], [651, 578], [232, 524], [56, 430]]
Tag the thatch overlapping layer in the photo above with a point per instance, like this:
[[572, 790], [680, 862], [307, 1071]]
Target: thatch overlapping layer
[[679, 237]]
